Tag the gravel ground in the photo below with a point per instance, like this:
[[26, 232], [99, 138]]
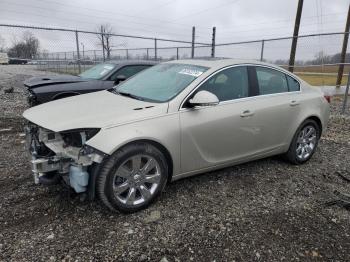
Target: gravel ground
[[266, 210]]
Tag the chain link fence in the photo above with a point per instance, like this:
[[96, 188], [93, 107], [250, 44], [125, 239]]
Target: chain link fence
[[317, 57]]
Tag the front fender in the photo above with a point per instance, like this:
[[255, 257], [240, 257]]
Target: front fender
[[164, 130]]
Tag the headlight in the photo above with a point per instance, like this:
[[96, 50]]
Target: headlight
[[78, 137], [87, 150]]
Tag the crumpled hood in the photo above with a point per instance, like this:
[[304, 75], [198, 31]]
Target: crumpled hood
[[34, 82], [94, 110]]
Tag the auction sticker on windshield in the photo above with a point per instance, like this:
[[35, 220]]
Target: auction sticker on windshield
[[106, 69], [191, 72]]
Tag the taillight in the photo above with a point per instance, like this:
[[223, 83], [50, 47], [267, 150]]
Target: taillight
[[328, 98]]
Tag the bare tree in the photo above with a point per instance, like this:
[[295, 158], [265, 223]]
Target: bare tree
[[27, 47], [105, 37]]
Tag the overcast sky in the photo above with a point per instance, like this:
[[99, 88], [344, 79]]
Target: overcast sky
[[235, 20]]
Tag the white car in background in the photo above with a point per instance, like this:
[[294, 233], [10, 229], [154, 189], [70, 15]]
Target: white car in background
[[4, 59], [171, 121]]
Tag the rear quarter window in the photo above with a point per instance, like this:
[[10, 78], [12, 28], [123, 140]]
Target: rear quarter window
[[293, 84]]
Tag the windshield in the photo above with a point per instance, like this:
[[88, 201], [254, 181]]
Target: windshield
[[98, 71], [162, 82]]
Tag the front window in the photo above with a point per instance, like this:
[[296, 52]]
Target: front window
[[229, 84], [98, 71], [162, 82]]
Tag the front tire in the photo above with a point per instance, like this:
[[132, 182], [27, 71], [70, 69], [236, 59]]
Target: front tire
[[304, 142], [132, 178]]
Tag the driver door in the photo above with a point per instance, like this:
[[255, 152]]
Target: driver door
[[220, 134]]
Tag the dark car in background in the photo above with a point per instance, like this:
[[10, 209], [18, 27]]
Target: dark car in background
[[99, 77]]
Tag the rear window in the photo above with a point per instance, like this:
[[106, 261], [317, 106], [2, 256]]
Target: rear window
[[271, 81]]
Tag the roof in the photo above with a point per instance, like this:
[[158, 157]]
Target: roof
[[131, 62], [218, 63]]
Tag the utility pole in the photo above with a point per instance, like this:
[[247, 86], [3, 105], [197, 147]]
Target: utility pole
[[213, 42], [343, 50], [77, 43], [295, 35], [262, 50], [193, 37]]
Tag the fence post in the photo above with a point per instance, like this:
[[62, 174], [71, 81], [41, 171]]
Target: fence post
[[177, 53], [65, 61], [213, 42], [127, 54], [58, 62], [155, 48], [343, 51], [52, 65], [147, 54], [346, 94], [94, 56], [262, 50], [193, 37], [77, 42]]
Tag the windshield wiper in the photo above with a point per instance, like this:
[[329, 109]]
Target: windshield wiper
[[128, 95]]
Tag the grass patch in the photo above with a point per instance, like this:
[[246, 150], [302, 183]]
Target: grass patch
[[320, 80]]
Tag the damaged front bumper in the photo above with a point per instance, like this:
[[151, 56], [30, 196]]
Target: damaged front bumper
[[62, 156]]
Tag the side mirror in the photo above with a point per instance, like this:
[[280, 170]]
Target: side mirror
[[120, 78], [204, 98]]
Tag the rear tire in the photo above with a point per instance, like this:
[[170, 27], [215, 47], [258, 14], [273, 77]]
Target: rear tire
[[132, 178], [304, 142]]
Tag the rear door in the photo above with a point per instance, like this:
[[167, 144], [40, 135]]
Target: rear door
[[276, 107]]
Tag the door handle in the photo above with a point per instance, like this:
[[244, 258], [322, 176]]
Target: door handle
[[247, 113], [294, 103]]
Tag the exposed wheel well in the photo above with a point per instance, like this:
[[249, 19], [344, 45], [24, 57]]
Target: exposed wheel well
[[162, 149], [318, 122]]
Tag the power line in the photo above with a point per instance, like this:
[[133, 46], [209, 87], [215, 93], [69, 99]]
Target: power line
[[206, 10], [275, 28], [94, 33], [114, 13], [161, 25], [280, 21], [156, 7], [82, 21], [91, 23]]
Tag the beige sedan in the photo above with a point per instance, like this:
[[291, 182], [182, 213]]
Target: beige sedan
[[171, 121]]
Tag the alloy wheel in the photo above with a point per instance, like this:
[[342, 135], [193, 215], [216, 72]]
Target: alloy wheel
[[306, 142], [136, 179]]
